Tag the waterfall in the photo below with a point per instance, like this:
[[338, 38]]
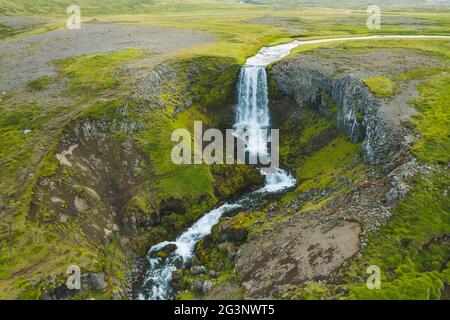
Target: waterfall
[[252, 119], [156, 285], [252, 111]]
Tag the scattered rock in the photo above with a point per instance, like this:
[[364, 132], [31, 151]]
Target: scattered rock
[[212, 273], [177, 274], [195, 270], [396, 193], [95, 281], [207, 285], [197, 286], [235, 234], [80, 204]]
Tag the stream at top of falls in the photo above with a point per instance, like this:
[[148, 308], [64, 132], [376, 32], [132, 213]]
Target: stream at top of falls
[[252, 113]]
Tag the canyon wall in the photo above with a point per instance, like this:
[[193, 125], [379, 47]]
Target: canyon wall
[[344, 97]]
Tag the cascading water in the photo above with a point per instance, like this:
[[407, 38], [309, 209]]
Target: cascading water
[[252, 117], [252, 111]]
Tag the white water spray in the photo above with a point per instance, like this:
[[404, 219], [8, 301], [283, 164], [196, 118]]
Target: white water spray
[[252, 111]]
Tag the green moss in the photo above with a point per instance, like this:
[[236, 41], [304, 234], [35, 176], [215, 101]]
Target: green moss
[[230, 179], [209, 255], [245, 220], [332, 107], [189, 295], [113, 262], [358, 115], [95, 73], [139, 204], [312, 291], [417, 271], [6, 31], [302, 136], [433, 122], [40, 83], [323, 168], [381, 86], [29, 291], [103, 110]]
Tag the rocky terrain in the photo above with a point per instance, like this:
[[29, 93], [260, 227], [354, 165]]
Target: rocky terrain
[[289, 247], [20, 65]]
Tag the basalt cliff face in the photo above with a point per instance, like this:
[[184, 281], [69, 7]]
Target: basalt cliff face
[[345, 98]]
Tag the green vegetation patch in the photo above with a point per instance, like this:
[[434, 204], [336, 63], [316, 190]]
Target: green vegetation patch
[[96, 73], [381, 86], [325, 166], [433, 121], [40, 83], [412, 250]]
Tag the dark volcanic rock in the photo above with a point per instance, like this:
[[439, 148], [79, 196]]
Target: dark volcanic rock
[[356, 111], [235, 234], [172, 206], [95, 281]]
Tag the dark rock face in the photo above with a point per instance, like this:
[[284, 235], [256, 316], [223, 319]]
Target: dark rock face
[[60, 293], [172, 206], [235, 234], [89, 281], [344, 97], [95, 281]]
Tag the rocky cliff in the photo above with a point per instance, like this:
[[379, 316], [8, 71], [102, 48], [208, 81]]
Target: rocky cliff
[[344, 97]]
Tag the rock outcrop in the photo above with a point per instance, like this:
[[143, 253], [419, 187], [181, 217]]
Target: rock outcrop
[[344, 97]]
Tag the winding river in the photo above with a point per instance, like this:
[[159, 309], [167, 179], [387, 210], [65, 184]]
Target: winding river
[[252, 113]]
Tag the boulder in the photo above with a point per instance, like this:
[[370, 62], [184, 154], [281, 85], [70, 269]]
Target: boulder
[[232, 233], [207, 285], [94, 281], [195, 270], [168, 249], [197, 286]]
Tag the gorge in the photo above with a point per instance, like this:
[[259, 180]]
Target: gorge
[[252, 115]]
